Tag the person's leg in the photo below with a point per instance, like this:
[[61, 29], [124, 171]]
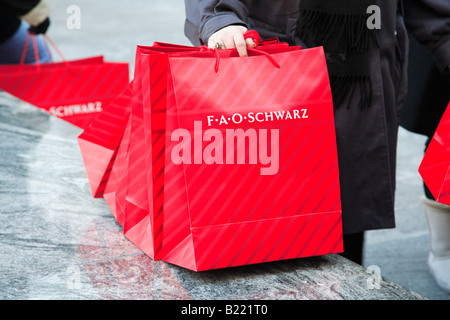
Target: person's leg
[[353, 247], [438, 220], [11, 50]]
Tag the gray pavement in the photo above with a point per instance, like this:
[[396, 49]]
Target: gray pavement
[[401, 253], [113, 29]]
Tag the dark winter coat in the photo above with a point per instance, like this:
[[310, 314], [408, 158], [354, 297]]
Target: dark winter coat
[[366, 137], [428, 92]]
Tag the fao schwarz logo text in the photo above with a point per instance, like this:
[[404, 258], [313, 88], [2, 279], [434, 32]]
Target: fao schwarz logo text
[[252, 117], [233, 146], [74, 109]]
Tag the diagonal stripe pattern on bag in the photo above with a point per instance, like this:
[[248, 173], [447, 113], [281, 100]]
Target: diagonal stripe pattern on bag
[[220, 168]]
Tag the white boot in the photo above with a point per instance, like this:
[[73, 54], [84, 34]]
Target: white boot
[[438, 217]]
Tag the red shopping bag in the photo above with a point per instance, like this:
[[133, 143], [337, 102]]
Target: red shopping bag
[[273, 197], [76, 91], [435, 165]]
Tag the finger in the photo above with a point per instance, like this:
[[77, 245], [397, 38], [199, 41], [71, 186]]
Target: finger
[[240, 44], [228, 42], [211, 43], [250, 43], [215, 44]]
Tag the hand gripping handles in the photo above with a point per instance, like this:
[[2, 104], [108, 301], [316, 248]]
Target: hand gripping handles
[[256, 39]]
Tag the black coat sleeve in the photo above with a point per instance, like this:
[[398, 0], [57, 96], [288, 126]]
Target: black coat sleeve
[[35, 12], [19, 7], [429, 22], [204, 17]]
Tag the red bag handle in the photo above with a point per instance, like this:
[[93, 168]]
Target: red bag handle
[[25, 48], [36, 51], [253, 34]]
